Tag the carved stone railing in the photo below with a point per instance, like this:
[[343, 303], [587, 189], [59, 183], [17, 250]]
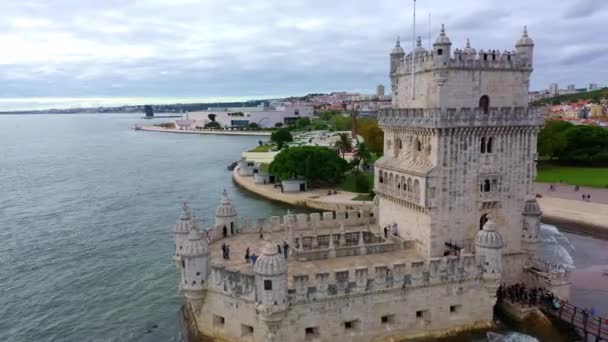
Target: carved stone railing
[[491, 196], [461, 117]]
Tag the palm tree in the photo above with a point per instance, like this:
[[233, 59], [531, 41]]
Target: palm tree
[[363, 153], [344, 143]]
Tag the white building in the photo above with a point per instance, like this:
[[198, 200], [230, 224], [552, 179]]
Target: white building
[[453, 188], [264, 116]]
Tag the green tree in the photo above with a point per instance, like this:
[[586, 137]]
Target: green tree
[[327, 115], [280, 137], [302, 123], [213, 124], [341, 122], [552, 140], [317, 165], [278, 125], [344, 143], [212, 117], [254, 125], [362, 153], [372, 134]]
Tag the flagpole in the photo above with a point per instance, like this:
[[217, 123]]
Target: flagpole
[[414, 55]]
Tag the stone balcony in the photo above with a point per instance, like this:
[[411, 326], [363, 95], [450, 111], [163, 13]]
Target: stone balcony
[[488, 197], [399, 194], [459, 117]]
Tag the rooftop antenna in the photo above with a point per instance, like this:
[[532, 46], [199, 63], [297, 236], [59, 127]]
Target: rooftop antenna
[[429, 31], [414, 55]]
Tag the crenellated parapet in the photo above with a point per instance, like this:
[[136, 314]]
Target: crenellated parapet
[[312, 221], [232, 282], [458, 117], [382, 277]]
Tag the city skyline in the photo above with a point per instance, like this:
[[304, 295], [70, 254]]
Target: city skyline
[[71, 52]]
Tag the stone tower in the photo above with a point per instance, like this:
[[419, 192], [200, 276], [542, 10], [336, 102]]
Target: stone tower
[[195, 268], [460, 149], [181, 229], [225, 215]]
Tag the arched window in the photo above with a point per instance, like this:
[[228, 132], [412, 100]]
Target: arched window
[[483, 220], [484, 103], [418, 145], [489, 145], [398, 147], [380, 178], [486, 185], [183, 264], [483, 145]]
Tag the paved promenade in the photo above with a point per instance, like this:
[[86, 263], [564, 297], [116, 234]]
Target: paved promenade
[[216, 132], [314, 199], [564, 207]]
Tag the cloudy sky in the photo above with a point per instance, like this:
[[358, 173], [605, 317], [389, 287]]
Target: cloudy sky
[[90, 52]]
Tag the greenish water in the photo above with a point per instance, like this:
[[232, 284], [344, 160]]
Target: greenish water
[[86, 207], [86, 210]]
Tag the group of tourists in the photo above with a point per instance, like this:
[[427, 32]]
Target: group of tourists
[[520, 293], [586, 197], [250, 257]]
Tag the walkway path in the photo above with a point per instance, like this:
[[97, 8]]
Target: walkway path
[[314, 199], [216, 132], [561, 207]]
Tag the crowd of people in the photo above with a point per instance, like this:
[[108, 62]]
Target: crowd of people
[[584, 197], [530, 296]]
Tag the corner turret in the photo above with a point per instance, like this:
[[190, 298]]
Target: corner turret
[[396, 56], [270, 280], [181, 229], [525, 49], [488, 252], [195, 268], [225, 215], [442, 48]]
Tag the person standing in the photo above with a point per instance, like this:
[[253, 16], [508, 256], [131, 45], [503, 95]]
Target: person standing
[[385, 232], [247, 255], [261, 232], [285, 249]]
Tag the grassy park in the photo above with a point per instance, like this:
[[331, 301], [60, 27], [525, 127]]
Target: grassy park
[[583, 176]]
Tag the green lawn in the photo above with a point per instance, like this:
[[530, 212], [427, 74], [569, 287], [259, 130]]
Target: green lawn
[[584, 176], [349, 182], [263, 148]]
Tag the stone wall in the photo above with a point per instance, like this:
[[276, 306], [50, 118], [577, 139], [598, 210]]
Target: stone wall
[[383, 301]]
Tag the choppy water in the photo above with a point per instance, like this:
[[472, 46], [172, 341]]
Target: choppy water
[[86, 206]]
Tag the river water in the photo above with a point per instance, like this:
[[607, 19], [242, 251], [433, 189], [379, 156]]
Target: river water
[[86, 209]]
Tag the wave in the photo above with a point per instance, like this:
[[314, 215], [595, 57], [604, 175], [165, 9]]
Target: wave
[[555, 246]]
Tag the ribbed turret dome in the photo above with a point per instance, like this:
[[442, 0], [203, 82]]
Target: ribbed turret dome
[[468, 49], [270, 263], [397, 49], [442, 39], [184, 224], [225, 209], [419, 50], [525, 40], [488, 237], [531, 207], [195, 245]]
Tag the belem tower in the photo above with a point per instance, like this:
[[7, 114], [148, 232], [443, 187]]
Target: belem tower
[[453, 219]]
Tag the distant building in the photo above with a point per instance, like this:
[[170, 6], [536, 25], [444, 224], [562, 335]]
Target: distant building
[[284, 113], [553, 89], [571, 87], [380, 90], [592, 86]]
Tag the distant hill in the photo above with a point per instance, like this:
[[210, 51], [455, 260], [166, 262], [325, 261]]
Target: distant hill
[[162, 108], [595, 96]]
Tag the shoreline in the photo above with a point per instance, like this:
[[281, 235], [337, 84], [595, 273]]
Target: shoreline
[[583, 218], [315, 200], [214, 132]]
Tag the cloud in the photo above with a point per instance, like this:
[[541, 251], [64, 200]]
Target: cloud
[[214, 48]]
